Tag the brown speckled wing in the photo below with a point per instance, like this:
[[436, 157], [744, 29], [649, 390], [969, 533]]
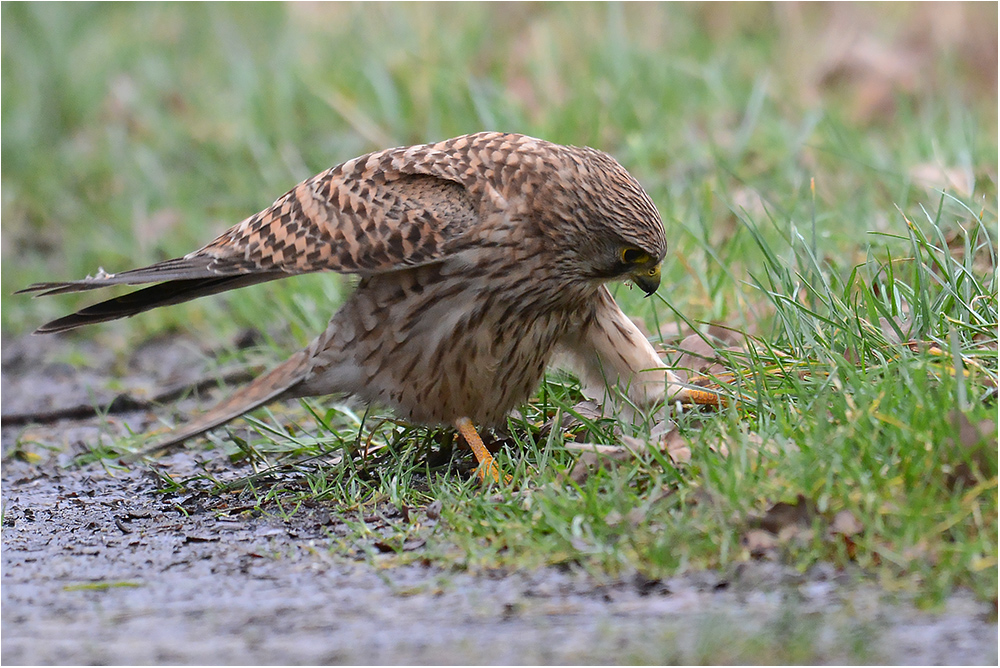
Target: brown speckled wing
[[350, 219], [383, 211]]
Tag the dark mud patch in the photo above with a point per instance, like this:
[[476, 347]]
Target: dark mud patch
[[101, 565]]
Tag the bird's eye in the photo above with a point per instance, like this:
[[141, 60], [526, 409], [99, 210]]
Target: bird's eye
[[634, 256]]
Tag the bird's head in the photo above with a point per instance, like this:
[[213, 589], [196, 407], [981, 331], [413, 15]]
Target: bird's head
[[617, 231]]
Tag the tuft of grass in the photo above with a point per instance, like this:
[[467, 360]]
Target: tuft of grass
[[838, 217]]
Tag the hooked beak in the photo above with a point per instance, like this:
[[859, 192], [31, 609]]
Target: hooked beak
[[647, 278]]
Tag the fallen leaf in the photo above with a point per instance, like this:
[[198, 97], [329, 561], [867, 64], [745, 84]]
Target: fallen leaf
[[594, 457], [383, 546], [697, 358], [902, 323], [412, 544], [673, 444], [587, 410], [783, 515], [844, 527], [973, 448]]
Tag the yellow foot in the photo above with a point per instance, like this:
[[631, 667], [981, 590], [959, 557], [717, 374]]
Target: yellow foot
[[487, 465], [704, 397]]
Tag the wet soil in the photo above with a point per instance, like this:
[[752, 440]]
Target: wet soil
[[101, 566]]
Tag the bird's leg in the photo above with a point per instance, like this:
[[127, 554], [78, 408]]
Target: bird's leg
[[611, 352], [487, 465]]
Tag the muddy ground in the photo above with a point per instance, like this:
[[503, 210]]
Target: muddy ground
[[101, 567]]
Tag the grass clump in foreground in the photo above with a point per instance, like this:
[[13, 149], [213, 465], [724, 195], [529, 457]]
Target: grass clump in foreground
[[861, 303]]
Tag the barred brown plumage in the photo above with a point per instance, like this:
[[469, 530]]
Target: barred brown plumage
[[480, 257]]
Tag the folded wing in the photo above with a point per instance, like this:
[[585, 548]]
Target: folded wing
[[377, 213]]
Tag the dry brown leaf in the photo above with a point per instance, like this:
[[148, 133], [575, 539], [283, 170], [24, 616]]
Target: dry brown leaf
[[783, 515], [672, 444], [904, 323], [594, 457], [971, 448], [782, 524], [568, 420], [411, 544], [696, 354], [844, 527]]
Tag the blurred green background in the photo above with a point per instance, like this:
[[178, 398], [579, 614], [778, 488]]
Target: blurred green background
[[137, 132]]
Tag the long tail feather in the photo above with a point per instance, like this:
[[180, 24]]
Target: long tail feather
[[181, 268], [262, 390], [164, 294]]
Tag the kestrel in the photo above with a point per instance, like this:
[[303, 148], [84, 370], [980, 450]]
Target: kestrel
[[479, 259]]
